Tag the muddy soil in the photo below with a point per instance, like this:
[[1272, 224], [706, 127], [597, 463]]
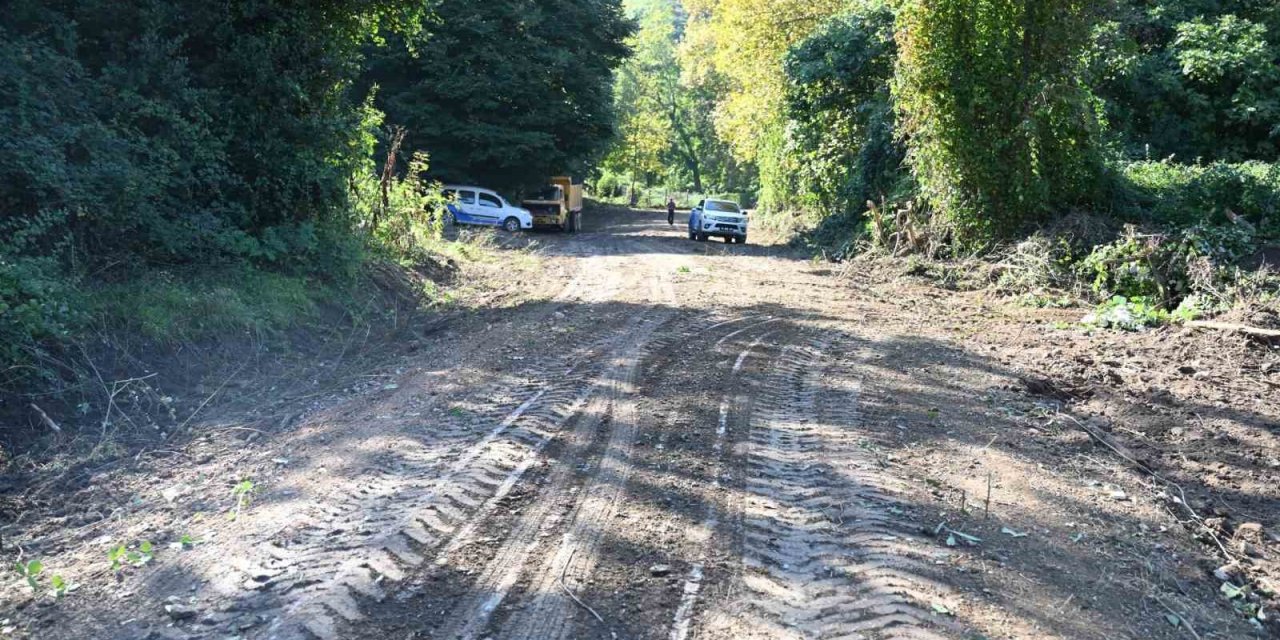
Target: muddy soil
[[659, 438]]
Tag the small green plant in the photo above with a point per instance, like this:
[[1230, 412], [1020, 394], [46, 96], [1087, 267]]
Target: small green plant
[[243, 494], [31, 572], [59, 586], [122, 555], [1129, 314], [682, 269], [188, 542]]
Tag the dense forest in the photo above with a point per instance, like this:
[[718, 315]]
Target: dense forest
[[949, 127], [160, 142]]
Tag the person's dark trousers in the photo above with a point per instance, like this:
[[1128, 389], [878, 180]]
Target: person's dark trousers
[[671, 216]]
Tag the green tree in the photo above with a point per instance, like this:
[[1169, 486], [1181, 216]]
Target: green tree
[[838, 101], [505, 93], [653, 88], [136, 133], [1191, 79], [990, 101]]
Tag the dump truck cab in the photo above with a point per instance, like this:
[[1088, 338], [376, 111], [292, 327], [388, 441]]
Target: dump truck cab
[[558, 205]]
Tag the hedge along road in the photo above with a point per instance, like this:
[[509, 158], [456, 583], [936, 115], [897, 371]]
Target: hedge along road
[[680, 440]]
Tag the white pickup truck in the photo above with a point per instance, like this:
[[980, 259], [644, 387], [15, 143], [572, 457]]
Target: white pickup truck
[[722, 218]]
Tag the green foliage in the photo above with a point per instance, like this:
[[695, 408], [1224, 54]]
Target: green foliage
[[58, 586], [999, 126], [141, 133], [36, 295], [504, 93], [183, 131], [125, 555], [176, 306], [403, 214], [30, 571], [1166, 268], [1129, 314], [838, 98], [1199, 80], [243, 494], [607, 185], [1182, 195]]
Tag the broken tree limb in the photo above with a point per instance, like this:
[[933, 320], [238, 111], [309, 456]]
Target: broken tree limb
[[1237, 328], [44, 417]]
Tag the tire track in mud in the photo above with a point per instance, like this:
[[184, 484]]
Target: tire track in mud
[[825, 551], [589, 512], [408, 504], [682, 622], [420, 510], [573, 517]]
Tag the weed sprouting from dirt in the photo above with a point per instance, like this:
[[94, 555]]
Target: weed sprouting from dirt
[[243, 495], [123, 555], [30, 571]]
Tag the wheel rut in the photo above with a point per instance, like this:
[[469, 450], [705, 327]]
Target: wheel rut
[[411, 502], [682, 623], [826, 551]]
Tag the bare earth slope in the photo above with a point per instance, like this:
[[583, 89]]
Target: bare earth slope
[[692, 440]]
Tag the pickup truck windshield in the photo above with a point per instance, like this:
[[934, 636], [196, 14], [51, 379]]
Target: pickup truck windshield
[[727, 207]]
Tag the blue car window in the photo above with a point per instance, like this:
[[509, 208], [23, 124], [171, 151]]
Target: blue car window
[[487, 200], [467, 197]]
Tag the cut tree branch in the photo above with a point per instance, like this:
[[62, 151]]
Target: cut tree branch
[[1257, 332]]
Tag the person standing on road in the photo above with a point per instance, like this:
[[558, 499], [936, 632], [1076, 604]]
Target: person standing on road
[[671, 212]]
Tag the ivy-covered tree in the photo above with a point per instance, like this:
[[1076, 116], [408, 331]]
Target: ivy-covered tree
[[508, 92], [990, 100]]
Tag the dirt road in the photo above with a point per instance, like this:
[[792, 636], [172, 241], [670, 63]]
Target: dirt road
[[663, 439]]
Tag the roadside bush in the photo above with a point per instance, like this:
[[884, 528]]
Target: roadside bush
[[1184, 195], [1135, 314], [1166, 268], [401, 215], [606, 186]]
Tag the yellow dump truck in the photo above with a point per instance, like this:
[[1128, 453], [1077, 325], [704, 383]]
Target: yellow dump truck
[[558, 206]]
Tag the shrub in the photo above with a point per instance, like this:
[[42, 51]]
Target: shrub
[[1129, 314], [1183, 195], [1166, 267], [606, 186]]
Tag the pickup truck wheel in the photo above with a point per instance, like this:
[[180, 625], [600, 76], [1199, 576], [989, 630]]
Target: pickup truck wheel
[[511, 224], [728, 239]]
